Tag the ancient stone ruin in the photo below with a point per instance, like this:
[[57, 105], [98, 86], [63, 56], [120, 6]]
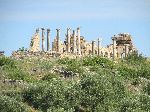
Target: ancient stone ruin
[[35, 42], [1, 53], [75, 45]]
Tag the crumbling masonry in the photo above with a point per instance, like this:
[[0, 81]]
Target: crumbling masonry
[[76, 45]]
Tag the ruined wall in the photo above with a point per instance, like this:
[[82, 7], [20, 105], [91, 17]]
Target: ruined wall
[[76, 46], [29, 54], [35, 42]]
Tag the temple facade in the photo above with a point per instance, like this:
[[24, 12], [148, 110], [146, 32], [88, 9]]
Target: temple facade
[[75, 44]]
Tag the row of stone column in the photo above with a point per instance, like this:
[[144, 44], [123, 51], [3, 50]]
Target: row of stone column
[[98, 46], [76, 44], [126, 48], [43, 39]]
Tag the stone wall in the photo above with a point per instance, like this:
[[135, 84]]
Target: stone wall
[[75, 45], [35, 42], [29, 54]]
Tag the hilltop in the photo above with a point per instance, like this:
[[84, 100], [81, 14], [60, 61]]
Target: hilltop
[[88, 84]]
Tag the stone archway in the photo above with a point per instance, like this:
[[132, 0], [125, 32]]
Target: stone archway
[[106, 54], [123, 55]]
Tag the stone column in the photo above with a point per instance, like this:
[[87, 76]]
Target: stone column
[[53, 46], [98, 46], [48, 39], [68, 39], [43, 42], [37, 30], [126, 50], [58, 36], [114, 47], [74, 42], [78, 35], [93, 47]]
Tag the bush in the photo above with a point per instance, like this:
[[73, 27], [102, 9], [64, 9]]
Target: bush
[[7, 61], [14, 94], [127, 71], [22, 49], [144, 70], [45, 64], [66, 61], [45, 95], [8, 104], [100, 90], [50, 77], [129, 105], [147, 89], [17, 74], [97, 61], [135, 58], [73, 65], [145, 102]]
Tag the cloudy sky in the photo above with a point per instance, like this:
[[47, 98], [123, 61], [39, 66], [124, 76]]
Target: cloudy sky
[[97, 18]]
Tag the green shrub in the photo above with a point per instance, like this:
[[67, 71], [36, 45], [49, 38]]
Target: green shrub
[[144, 70], [136, 81], [128, 105], [22, 49], [127, 71], [147, 89], [8, 104], [100, 90], [7, 61], [17, 74], [73, 65], [96, 60], [92, 92], [66, 61], [17, 95], [45, 64], [59, 110], [50, 76], [45, 95], [135, 58], [145, 102], [72, 96]]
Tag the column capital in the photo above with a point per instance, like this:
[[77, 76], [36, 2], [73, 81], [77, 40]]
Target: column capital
[[58, 29], [78, 28], [93, 40], [114, 37], [99, 39], [74, 31], [37, 30], [68, 29], [42, 29], [48, 30]]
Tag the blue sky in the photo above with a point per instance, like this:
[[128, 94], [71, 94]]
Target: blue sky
[[97, 18]]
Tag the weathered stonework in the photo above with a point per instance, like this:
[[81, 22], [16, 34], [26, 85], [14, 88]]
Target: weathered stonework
[[35, 42], [39, 54], [1, 53], [75, 45]]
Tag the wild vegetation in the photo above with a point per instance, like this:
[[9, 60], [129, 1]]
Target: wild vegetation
[[89, 84]]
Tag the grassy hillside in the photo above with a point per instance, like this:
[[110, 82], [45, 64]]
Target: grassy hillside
[[89, 84]]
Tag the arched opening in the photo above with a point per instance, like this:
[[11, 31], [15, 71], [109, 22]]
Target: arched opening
[[123, 55], [90, 52], [106, 54]]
